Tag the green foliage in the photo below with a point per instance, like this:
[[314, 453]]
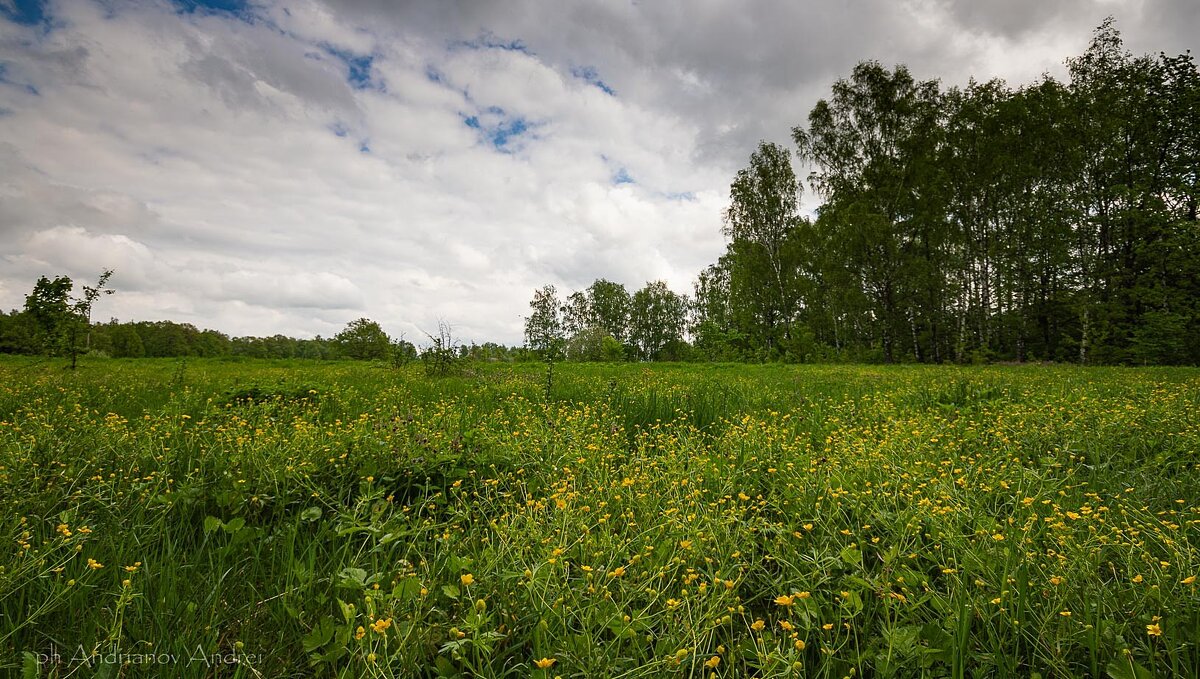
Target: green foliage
[[593, 344], [657, 319], [543, 326], [716, 344], [609, 306], [611, 349], [362, 340], [403, 352], [1056, 221], [1163, 338], [763, 274], [18, 333], [49, 305], [441, 357], [63, 322]]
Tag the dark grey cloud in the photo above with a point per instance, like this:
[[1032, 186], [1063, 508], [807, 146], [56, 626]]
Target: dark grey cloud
[[743, 72]]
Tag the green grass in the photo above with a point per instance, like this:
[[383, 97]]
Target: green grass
[[347, 519]]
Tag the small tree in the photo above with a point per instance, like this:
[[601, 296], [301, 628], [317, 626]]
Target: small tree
[[441, 355], [62, 318], [657, 318], [403, 352], [589, 344], [543, 327], [50, 307], [362, 340]]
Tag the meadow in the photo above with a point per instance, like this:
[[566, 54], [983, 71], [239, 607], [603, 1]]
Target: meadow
[[288, 519]]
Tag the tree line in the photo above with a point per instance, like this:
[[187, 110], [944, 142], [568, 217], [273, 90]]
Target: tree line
[[56, 322], [1055, 221]]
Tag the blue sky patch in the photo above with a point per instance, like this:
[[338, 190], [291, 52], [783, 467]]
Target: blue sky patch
[[491, 42], [688, 196], [513, 127], [622, 177], [498, 128], [358, 67], [589, 75], [212, 6], [24, 12]]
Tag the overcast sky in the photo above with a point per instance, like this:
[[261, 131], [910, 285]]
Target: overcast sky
[[285, 167]]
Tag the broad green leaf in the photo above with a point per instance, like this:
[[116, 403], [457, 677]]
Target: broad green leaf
[[29, 666], [407, 588], [851, 556], [352, 577], [320, 635], [1128, 668]]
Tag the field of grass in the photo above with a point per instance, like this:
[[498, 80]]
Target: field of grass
[[247, 519]]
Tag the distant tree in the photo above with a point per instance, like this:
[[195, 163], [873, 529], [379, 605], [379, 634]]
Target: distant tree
[[403, 352], [166, 338], [441, 356], [125, 341], [711, 298], [83, 305], [714, 343], [19, 333], [49, 305], [611, 351], [64, 320], [543, 326], [873, 143], [610, 308], [760, 223], [363, 339], [591, 344], [576, 314], [657, 318]]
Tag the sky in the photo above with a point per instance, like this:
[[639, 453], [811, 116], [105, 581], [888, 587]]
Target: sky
[[263, 166]]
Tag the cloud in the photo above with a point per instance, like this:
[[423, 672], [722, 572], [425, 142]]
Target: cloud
[[284, 167]]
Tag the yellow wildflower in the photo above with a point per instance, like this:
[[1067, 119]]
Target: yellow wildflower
[[380, 626]]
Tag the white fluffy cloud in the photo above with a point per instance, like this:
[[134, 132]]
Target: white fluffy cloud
[[290, 165]]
